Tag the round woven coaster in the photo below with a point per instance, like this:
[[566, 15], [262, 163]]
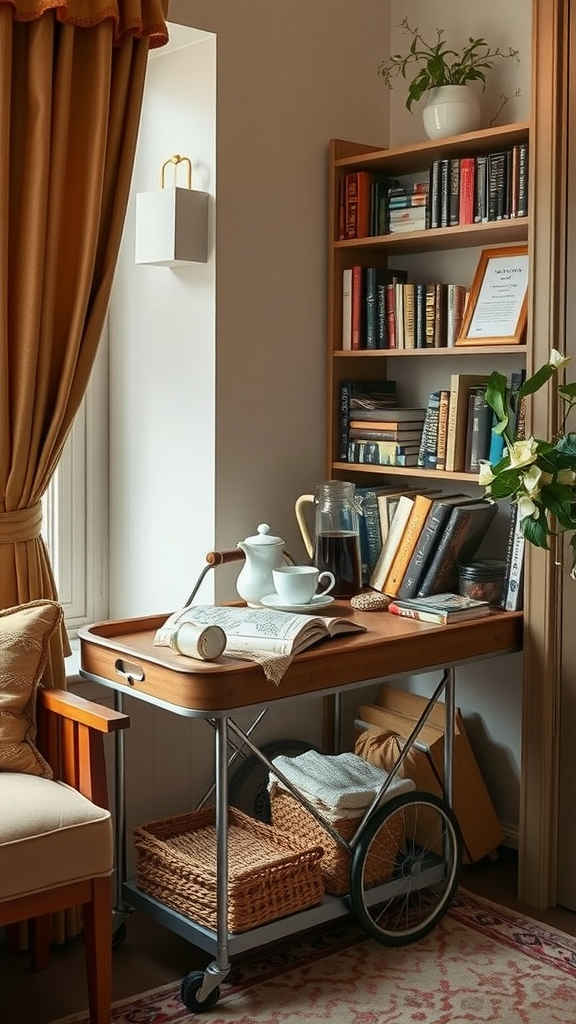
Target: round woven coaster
[[370, 602]]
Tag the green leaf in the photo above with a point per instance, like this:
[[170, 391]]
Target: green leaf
[[505, 484], [559, 500], [567, 445], [536, 531], [567, 392], [496, 391], [537, 380]]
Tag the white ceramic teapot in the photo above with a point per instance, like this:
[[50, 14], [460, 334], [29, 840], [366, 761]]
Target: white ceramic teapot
[[263, 554]]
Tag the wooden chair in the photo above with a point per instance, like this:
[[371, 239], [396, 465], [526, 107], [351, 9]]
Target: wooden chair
[[56, 846]]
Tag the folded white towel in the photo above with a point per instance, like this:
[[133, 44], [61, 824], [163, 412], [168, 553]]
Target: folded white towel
[[342, 782]]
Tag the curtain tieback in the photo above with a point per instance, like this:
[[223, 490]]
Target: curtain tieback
[[24, 524]]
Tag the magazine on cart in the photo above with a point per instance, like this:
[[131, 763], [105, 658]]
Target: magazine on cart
[[259, 629]]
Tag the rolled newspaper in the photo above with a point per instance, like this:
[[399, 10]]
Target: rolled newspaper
[[204, 642]]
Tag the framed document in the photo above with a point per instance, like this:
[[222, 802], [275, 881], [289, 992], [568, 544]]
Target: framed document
[[496, 310]]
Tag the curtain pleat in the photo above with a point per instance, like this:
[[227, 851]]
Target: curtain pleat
[[72, 76]]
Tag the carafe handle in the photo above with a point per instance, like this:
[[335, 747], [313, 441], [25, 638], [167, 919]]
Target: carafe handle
[[304, 499]]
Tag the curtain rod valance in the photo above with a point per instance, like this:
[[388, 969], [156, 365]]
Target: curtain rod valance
[[139, 18]]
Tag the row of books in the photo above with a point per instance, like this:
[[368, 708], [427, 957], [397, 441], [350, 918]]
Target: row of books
[[457, 432], [412, 539], [478, 189], [381, 309], [453, 432], [461, 190]]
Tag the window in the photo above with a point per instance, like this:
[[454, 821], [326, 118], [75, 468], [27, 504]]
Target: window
[[76, 507]]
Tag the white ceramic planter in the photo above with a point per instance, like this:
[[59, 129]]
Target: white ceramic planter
[[451, 110]]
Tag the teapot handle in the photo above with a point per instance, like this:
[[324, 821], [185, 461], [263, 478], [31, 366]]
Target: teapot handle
[[304, 499]]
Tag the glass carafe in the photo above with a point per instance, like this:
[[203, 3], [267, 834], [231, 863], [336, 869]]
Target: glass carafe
[[336, 544]]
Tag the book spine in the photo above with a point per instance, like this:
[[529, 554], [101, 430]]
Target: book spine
[[357, 306], [513, 196], [395, 531], [455, 302], [442, 429], [391, 314], [522, 179], [341, 214], [496, 185], [399, 437], [430, 314], [399, 314], [434, 195], [481, 190], [454, 201], [467, 179], [370, 536], [420, 315], [344, 421], [444, 193], [374, 453], [351, 204], [440, 315], [381, 318], [405, 550], [371, 307], [415, 613], [429, 442], [347, 308], [409, 316], [427, 542], [515, 576], [479, 430]]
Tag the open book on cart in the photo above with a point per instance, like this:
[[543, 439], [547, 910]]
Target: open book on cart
[[259, 630]]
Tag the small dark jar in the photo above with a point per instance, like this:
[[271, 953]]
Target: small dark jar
[[482, 579]]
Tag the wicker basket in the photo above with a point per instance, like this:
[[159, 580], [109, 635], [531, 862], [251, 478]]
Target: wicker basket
[[292, 817], [269, 875]]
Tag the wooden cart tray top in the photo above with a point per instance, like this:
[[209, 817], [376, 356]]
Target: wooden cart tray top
[[122, 653]]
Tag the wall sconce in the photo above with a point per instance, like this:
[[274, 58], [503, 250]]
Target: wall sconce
[[172, 224]]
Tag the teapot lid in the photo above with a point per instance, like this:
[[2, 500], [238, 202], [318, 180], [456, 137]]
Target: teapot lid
[[263, 537]]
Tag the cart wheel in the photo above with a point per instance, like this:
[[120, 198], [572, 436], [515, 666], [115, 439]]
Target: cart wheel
[[189, 989], [405, 868], [119, 936]]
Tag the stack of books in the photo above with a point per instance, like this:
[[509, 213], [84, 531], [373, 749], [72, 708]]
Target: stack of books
[[408, 207], [440, 608]]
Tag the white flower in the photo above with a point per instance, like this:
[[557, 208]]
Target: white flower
[[485, 476], [532, 480], [527, 508], [566, 476], [522, 453], [557, 360]]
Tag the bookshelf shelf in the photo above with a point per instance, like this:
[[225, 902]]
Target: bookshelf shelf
[[434, 353], [357, 470]]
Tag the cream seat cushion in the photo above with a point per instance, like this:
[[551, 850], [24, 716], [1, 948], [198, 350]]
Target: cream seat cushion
[[50, 835]]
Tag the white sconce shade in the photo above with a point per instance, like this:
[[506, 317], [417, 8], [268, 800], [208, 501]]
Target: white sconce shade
[[172, 224]]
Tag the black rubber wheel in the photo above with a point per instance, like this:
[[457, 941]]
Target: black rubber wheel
[[405, 868], [189, 989], [119, 936]]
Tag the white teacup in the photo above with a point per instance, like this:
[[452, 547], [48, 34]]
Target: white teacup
[[298, 584]]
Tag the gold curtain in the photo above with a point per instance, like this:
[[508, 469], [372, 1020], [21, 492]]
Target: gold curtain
[[72, 77]]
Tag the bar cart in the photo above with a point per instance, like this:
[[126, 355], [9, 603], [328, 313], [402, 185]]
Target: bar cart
[[413, 890]]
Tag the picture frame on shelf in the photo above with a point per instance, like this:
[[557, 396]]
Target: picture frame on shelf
[[496, 310]]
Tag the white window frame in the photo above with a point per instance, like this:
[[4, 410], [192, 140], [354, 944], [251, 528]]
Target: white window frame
[[76, 507]]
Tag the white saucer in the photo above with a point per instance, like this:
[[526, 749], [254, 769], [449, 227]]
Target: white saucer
[[275, 601]]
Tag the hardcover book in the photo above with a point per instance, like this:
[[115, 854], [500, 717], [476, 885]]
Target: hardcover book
[[429, 443], [428, 540], [458, 418], [442, 429], [389, 548], [479, 429], [413, 529], [465, 530], [347, 308], [467, 185]]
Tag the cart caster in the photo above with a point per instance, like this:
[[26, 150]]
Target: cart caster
[[189, 990], [119, 936], [405, 868]]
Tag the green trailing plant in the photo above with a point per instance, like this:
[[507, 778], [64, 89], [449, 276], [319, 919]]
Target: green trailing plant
[[537, 475], [438, 64]]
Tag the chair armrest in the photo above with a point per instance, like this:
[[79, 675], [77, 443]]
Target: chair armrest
[[71, 734], [86, 712]]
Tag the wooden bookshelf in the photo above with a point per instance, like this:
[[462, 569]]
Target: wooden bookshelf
[[381, 250]]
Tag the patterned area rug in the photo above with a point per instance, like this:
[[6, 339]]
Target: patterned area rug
[[481, 964]]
